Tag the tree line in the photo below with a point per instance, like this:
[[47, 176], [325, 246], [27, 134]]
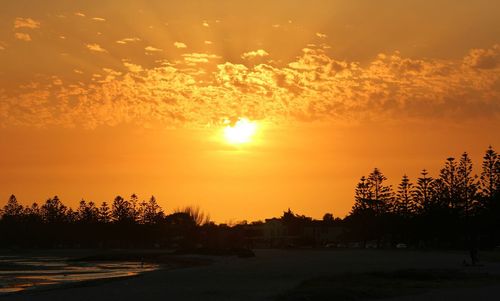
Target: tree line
[[455, 209], [123, 223]]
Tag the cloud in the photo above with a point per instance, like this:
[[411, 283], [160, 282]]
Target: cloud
[[208, 42], [321, 35], [133, 67], [195, 58], [254, 54], [95, 48], [26, 23], [313, 86], [127, 40], [22, 36], [205, 24], [179, 45], [152, 49], [99, 19], [483, 58], [80, 14]]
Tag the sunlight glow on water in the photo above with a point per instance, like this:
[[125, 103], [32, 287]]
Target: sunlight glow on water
[[21, 273]]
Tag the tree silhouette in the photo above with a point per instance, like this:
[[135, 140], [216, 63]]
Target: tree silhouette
[[361, 196], [122, 211], [53, 211], [134, 210], [12, 210], [87, 213], [328, 218], [380, 195], [489, 184], [151, 212], [404, 203], [490, 174], [199, 217], [467, 185], [104, 213], [422, 194], [449, 186]]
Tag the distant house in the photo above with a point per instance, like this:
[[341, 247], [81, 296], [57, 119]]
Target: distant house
[[275, 233], [322, 233]]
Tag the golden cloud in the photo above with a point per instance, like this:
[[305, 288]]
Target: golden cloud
[[254, 54], [127, 40], [133, 67], [483, 58], [95, 48], [152, 49], [26, 23], [22, 36], [314, 86], [194, 58], [179, 45]]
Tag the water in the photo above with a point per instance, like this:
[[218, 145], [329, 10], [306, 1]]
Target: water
[[23, 273]]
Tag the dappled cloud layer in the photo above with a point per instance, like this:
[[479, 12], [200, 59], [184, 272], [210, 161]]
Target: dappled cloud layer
[[82, 69], [200, 89]]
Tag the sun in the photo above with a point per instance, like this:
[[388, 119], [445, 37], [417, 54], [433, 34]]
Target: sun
[[240, 132]]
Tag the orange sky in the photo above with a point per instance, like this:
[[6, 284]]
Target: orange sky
[[99, 98]]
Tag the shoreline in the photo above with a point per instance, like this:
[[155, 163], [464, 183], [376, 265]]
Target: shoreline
[[161, 259], [278, 273]]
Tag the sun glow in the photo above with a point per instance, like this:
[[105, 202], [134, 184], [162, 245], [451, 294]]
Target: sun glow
[[240, 132]]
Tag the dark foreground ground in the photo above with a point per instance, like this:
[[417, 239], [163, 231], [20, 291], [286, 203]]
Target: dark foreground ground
[[301, 275]]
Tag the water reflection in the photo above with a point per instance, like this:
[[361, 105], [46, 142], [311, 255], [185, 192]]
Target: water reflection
[[21, 273]]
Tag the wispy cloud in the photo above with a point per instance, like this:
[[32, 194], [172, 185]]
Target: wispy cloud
[[22, 36], [26, 23], [152, 49], [127, 40], [179, 45], [99, 19], [254, 54], [79, 14], [195, 58], [95, 47], [134, 68]]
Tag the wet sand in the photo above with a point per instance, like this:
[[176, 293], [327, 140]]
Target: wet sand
[[268, 275], [22, 271]]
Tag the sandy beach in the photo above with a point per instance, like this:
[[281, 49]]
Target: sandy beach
[[273, 273]]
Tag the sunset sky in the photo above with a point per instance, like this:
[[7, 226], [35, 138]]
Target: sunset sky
[[244, 108]]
